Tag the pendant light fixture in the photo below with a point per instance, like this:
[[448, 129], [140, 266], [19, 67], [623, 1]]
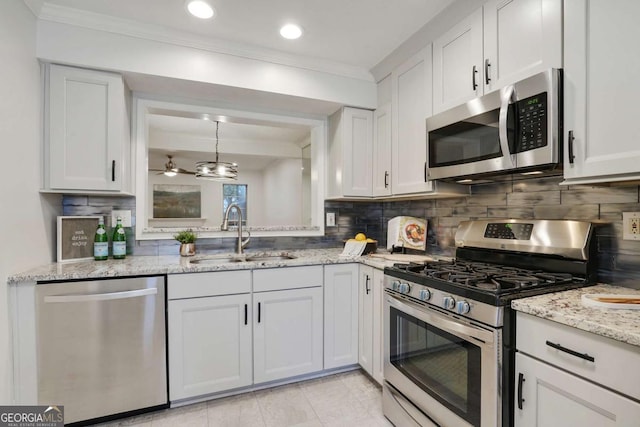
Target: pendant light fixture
[[217, 171]]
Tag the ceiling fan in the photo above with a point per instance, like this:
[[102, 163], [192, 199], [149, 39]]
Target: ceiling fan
[[171, 170]]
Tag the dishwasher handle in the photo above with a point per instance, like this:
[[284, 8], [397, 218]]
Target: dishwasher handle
[[100, 297]]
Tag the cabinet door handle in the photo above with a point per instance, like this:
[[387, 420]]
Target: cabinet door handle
[[425, 171], [474, 71], [386, 179], [258, 312], [113, 170], [520, 381], [570, 145], [584, 356], [366, 285], [487, 64], [246, 314]]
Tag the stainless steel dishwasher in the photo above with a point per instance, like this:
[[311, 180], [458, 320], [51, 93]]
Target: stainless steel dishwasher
[[101, 346]]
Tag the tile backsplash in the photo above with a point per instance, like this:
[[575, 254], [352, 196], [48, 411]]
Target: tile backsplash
[[544, 198]]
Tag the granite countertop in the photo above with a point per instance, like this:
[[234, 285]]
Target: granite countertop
[[173, 264], [567, 308]]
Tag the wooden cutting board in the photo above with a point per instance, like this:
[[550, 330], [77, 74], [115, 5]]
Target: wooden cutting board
[[403, 257], [627, 302]]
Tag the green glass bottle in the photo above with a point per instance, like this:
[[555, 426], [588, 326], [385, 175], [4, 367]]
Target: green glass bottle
[[100, 242], [119, 241]]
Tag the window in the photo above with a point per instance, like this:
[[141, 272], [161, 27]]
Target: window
[[235, 193]]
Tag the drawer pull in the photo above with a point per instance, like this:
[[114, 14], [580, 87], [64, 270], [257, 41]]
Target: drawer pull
[[521, 380], [584, 356]]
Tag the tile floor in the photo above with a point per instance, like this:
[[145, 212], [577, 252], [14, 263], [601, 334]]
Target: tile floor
[[348, 399]]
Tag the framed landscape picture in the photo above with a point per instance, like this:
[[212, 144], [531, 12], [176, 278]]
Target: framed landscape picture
[[176, 201]]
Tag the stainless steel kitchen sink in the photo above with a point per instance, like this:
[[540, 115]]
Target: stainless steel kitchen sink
[[216, 260], [270, 257]]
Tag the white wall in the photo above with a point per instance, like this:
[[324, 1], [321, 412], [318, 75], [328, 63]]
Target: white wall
[[92, 48], [283, 192], [27, 224]]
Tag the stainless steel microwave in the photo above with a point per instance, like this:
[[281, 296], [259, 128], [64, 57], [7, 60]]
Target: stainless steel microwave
[[517, 129]]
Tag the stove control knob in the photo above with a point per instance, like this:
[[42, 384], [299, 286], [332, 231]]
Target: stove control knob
[[424, 295], [404, 288], [395, 285], [449, 303], [462, 307]]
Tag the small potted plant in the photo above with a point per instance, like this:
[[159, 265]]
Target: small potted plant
[[187, 239]]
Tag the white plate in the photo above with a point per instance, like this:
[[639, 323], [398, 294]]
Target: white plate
[[590, 300]]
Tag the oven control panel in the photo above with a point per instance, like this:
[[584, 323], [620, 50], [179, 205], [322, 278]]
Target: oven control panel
[[444, 301], [511, 231]]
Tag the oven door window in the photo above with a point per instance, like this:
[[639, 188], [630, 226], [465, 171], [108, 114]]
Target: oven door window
[[443, 365]]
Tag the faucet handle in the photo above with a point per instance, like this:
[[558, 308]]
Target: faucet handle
[[245, 242]]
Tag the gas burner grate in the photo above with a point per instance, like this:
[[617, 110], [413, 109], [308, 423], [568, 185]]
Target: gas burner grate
[[494, 278]]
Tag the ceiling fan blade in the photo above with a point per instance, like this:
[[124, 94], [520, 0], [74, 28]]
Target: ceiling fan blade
[[184, 171]]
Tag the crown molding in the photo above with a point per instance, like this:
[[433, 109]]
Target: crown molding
[[131, 28], [35, 6]]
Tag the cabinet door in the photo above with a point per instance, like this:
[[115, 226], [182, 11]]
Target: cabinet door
[[340, 315], [382, 151], [458, 70], [209, 345], [521, 38], [357, 135], [86, 123], [287, 333], [601, 90], [552, 397], [378, 327], [411, 105], [365, 308]]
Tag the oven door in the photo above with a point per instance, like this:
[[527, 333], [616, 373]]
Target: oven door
[[447, 367]]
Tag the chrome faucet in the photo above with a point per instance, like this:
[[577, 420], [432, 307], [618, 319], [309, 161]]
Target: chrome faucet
[[225, 227]]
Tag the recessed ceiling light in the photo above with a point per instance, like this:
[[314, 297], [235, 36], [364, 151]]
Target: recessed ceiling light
[[291, 31], [200, 9]]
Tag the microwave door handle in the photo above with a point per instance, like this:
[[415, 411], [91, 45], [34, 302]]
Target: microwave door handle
[[502, 126]]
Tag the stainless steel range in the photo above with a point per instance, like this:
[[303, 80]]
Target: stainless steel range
[[449, 332]]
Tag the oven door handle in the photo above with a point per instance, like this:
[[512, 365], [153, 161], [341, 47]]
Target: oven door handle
[[441, 321]]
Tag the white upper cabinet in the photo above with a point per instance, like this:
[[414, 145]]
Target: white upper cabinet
[[382, 151], [350, 153], [602, 67], [411, 95], [457, 64], [521, 38], [505, 41], [86, 145]]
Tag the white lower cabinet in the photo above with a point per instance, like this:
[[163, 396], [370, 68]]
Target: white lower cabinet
[[287, 323], [370, 321], [552, 397], [287, 333], [340, 315], [378, 325], [569, 377], [209, 345], [209, 334]]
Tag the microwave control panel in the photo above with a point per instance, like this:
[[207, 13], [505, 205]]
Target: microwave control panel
[[532, 122]]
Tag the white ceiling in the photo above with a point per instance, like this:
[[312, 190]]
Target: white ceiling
[[358, 33], [181, 127]]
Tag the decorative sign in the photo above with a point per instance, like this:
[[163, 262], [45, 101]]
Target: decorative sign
[[75, 237]]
